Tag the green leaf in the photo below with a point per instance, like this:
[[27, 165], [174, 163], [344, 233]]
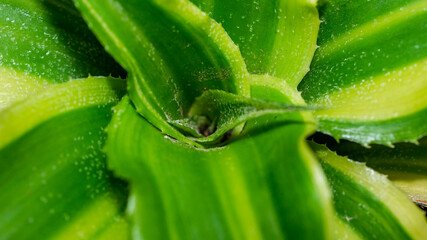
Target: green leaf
[[216, 112], [405, 164], [367, 202], [371, 69], [53, 175], [172, 51], [275, 37], [43, 43], [243, 190], [24, 115]]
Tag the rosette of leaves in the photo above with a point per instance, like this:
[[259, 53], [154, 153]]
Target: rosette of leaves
[[207, 136]]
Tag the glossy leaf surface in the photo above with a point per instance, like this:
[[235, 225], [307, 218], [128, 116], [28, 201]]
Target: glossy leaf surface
[[172, 51], [405, 164], [366, 201], [46, 42], [216, 112], [262, 182], [371, 70], [53, 175], [243, 190], [275, 37]]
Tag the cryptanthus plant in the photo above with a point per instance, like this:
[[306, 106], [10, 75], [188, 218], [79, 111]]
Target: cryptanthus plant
[[209, 119]]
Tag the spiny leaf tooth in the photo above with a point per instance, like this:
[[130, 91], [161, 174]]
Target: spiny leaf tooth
[[414, 141], [336, 137]]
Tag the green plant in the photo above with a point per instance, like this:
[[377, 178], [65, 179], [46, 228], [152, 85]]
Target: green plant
[[208, 140]]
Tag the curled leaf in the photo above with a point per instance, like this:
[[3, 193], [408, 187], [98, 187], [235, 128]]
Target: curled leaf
[[244, 190], [371, 70], [368, 202], [172, 51], [53, 174], [44, 43], [216, 112]]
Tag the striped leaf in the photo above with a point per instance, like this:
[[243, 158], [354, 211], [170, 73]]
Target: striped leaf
[[275, 37], [216, 113], [46, 42], [405, 165], [172, 51], [370, 70], [53, 175], [367, 204], [243, 190]]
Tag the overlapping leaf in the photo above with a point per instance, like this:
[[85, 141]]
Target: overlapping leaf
[[243, 190], [217, 112], [405, 165], [275, 37], [264, 183], [172, 51], [46, 42], [370, 205], [53, 174], [371, 69]]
